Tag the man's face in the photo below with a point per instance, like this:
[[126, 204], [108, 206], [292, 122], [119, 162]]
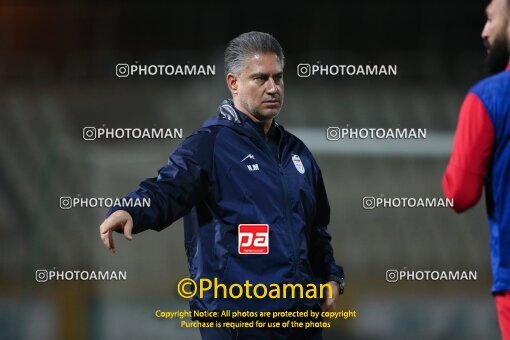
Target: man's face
[[495, 35], [259, 86]]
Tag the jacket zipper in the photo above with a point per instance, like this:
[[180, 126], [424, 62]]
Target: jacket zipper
[[285, 202]]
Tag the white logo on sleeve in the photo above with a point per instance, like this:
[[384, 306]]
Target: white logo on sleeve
[[298, 164], [250, 156], [251, 167]]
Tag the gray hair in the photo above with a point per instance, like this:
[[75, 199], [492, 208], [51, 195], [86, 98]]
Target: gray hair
[[247, 44]]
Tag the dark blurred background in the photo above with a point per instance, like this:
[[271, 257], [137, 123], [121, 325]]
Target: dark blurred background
[[57, 75]]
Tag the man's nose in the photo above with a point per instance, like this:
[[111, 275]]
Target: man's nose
[[485, 31], [271, 86]]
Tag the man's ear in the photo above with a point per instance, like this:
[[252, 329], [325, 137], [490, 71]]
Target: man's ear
[[232, 82]]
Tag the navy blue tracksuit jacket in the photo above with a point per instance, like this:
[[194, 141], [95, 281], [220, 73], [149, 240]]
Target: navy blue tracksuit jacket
[[229, 173]]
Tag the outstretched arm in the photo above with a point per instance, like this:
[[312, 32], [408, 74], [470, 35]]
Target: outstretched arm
[[180, 185], [472, 149]]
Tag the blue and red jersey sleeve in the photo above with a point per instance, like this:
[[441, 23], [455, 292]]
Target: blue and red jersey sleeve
[[472, 149]]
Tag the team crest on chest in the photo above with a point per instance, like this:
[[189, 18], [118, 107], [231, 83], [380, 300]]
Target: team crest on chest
[[298, 164]]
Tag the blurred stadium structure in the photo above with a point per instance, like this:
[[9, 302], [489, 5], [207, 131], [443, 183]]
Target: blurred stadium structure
[[54, 88]]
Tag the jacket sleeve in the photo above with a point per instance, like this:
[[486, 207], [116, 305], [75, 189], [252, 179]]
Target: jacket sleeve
[[180, 185], [321, 252], [472, 150]]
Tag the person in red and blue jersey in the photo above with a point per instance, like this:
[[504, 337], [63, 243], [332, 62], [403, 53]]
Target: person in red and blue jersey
[[481, 153]]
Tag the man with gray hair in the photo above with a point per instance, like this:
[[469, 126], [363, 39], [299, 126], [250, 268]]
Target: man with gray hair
[[254, 205]]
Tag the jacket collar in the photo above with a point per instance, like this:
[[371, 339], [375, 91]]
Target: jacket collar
[[228, 111]]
